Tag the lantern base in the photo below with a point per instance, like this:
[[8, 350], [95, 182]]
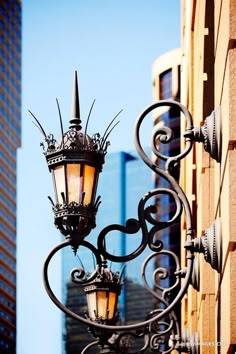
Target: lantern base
[[75, 220]]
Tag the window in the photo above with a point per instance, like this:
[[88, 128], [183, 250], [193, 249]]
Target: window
[[166, 85]]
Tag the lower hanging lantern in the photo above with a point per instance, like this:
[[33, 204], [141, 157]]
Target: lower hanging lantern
[[102, 297]]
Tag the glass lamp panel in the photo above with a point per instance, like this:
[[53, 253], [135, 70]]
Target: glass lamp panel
[[74, 179], [59, 179], [112, 305], [102, 304], [92, 304], [88, 185]]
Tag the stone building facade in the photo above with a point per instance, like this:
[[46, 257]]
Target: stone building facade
[[207, 82]]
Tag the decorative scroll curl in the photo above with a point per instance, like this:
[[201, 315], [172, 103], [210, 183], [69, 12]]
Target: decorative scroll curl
[[145, 214], [159, 292], [160, 331], [164, 135]]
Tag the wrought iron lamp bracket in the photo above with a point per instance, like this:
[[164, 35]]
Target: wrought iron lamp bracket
[[210, 135]]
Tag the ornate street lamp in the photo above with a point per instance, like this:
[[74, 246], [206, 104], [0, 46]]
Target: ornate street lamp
[[75, 163]]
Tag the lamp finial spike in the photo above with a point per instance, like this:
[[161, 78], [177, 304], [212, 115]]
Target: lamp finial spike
[[75, 114]]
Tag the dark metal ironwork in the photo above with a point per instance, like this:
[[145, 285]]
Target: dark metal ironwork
[[209, 245], [160, 330], [210, 134]]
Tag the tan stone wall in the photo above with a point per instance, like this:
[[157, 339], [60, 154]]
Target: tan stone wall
[[212, 311]]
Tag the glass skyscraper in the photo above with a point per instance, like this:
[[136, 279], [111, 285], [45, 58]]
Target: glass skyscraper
[[123, 182], [10, 124]]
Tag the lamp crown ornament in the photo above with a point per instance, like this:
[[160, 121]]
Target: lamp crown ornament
[[74, 140]]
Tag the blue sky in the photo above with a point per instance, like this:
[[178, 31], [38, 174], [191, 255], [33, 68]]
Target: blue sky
[[112, 45]]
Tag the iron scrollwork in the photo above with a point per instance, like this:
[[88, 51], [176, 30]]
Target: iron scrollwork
[[161, 323]]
